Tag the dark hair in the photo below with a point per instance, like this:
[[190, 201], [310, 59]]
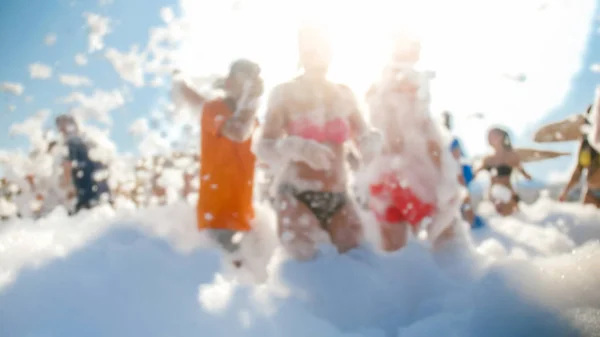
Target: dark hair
[[66, 119], [506, 141], [244, 66]]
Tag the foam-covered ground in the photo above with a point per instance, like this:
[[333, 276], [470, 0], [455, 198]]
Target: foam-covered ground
[[151, 274]]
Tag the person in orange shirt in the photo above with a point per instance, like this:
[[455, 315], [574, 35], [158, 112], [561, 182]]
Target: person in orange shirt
[[227, 170]]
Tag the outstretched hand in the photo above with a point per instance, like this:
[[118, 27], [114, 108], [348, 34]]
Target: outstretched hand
[[181, 90], [562, 197]]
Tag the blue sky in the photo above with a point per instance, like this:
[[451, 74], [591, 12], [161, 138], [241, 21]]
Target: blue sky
[[25, 24], [23, 28]]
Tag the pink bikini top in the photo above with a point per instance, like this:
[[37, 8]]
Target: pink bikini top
[[336, 130]]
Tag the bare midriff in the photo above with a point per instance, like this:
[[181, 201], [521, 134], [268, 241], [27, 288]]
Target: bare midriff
[[333, 180], [504, 181]]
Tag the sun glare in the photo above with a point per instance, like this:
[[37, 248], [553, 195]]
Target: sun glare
[[471, 45], [361, 34]]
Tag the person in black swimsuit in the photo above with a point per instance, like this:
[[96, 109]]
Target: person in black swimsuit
[[81, 169], [501, 165]]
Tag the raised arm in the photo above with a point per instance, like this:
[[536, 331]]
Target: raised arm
[[240, 125], [191, 96], [237, 128], [523, 172], [482, 166], [518, 164], [181, 88], [564, 130]]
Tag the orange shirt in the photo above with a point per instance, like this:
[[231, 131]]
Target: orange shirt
[[226, 174]]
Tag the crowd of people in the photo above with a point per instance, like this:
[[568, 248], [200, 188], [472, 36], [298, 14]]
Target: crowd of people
[[315, 142], [69, 171], [315, 138]]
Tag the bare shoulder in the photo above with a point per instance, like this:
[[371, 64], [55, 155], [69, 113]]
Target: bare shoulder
[[346, 94], [487, 160], [514, 158], [278, 95], [282, 90]]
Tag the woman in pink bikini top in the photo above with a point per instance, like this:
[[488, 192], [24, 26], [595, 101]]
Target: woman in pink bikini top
[[327, 120], [333, 131], [309, 120]]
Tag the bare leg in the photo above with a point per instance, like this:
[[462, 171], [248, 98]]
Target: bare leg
[[394, 236], [590, 199], [345, 228], [297, 227], [506, 208], [468, 215]]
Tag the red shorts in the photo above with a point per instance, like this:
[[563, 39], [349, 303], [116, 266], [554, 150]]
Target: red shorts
[[401, 204]]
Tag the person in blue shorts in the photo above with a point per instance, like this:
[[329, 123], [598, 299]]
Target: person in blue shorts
[[466, 175], [87, 176]]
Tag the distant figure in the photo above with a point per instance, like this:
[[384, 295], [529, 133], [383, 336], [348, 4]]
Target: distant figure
[[501, 165], [465, 175], [87, 176], [588, 160]]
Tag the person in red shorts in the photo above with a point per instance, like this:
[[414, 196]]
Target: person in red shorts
[[413, 182]]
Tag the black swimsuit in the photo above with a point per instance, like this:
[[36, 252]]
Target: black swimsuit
[[323, 205], [501, 170]]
